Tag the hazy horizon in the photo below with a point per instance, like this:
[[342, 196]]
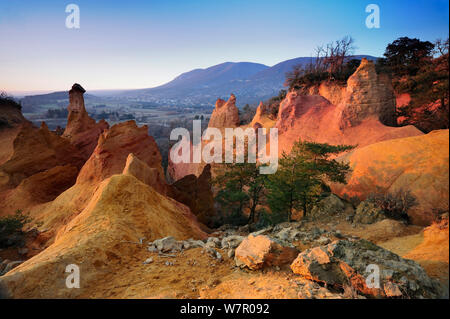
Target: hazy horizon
[[143, 44]]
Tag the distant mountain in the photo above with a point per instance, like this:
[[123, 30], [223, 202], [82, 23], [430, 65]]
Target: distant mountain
[[220, 74], [250, 82]]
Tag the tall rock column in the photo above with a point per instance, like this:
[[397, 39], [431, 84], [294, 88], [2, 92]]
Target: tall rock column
[[225, 114], [368, 94], [81, 129]]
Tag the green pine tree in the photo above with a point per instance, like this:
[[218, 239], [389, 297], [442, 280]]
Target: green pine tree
[[302, 176]]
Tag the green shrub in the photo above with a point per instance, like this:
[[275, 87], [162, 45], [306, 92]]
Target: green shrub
[[395, 205], [11, 228]]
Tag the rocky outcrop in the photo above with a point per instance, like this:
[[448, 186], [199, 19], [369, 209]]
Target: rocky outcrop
[[434, 248], [256, 252], [196, 193], [114, 146], [101, 239], [10, 114], [329, 206], [36, 165], [116, 203], [35, 151], [39, 188], [314, 118], [82, 130], [416, 164], [346, 263], [109, 158], [368, 213], [148, 175], [357, 114], [368, 94], [179, 170], [225, 114]]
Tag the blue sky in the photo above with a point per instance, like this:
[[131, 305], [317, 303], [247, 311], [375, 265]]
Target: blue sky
[[138, 44]]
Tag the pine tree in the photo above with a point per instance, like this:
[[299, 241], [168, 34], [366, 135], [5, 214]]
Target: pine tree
[[240, 186], [302, 175]]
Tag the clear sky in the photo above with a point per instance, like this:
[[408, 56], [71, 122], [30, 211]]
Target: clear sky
[[140, 44]]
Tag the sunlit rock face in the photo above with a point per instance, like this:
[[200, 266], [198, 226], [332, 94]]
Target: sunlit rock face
[[118, 199], [101, 238], [368, 94], [225, 114], [114, 146], [418, 165], [314, 118], [81, 129], [32, 151]]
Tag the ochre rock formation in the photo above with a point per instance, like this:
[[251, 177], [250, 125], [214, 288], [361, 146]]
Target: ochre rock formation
[[114, 146], [179, 170], [196, 193], [36, 165], [368, 94], [101, 239], [81, 129], [435, 246], [418, 164], [262, 117], [116, 202], [151, 176], [357, 113], [39, 188], [34, 151], [314, 118], [109, 158], [225, 114]]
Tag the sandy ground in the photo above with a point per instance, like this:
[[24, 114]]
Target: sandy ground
[[193, 274]]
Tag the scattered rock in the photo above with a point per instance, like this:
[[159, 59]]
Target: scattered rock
[[232, 241], [213, 242], [263, 231], [323, 240], [392, 290], [344, 263], [260, 251], [329, 206], [213, 253], [368, 213], [148, 261], [168, 244]]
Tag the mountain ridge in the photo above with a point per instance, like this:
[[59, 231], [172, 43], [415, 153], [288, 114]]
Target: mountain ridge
[[250, 82]]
